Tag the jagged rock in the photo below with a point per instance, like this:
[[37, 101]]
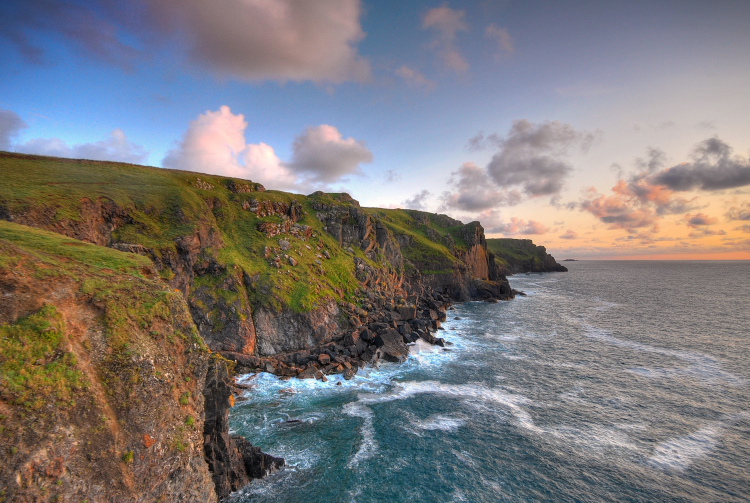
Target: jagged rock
[[310, 372], [324, 359], [257, 463], [232, 462], [391, 346], [407, 312]]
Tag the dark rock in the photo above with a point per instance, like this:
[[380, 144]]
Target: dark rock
[[232, 462], [391, 346], [257, 464], [309, 372]]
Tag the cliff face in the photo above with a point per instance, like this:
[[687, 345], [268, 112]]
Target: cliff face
[[186, 264], [263, 272], [107, 391], [100, 398], [513, 256]]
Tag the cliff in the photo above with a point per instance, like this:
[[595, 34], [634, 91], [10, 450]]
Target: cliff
[[148, 273], [263, 272], [514, 256]]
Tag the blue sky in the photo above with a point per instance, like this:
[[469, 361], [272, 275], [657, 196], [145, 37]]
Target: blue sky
[[599, 129]]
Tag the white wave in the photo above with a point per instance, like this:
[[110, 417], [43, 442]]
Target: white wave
[[681, 452], [440, 422], [369, 445]]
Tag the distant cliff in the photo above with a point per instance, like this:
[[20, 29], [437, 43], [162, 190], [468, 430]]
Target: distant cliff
[[514, 256], [157, 269]]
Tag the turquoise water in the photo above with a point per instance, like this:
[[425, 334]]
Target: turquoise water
[[616, 381]]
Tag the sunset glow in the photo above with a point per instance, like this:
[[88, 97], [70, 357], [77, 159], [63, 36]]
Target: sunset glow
[[601, 131]]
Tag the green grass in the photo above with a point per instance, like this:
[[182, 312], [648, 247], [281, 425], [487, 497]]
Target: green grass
[[516, 253], [57, 248], [35, 367], [163, 206]]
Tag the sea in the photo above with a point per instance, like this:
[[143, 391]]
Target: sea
[[616, 381]]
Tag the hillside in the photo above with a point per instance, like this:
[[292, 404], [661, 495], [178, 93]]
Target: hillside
[[514, 256], [126, 288], [104, 379], [254, 265]]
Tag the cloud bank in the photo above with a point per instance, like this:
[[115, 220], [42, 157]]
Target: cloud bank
[[243, 39], [641, 199], [116, 148], [215, 143], [530, 161]]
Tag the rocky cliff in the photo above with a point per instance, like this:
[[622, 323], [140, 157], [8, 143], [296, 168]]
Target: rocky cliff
[[296, 285], [513, 256]]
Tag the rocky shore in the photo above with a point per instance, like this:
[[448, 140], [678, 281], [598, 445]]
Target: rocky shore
[[299, 286]]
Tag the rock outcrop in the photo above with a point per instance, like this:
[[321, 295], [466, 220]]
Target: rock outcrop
[[107, 390], [513, 256], [300, 286]]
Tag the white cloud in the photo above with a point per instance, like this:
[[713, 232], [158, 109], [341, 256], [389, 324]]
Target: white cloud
[[115, 148], [215, 143], [323, 155]]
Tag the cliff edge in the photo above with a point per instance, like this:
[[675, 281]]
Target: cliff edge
[[514, 256], [131, 293]]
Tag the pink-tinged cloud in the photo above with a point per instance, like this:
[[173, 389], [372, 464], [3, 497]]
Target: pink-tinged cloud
[[323, 155], [115, 148], [651, 193], [569, 234], [414, 78], [620, 210], [502, 39], [446, 23], [493, 223], [215, 143]]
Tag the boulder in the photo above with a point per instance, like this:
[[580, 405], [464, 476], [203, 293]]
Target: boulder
[[391, 346]]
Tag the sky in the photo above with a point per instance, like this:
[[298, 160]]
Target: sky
[[601, 130]]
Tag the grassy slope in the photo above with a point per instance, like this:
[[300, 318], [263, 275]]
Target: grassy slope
[[517, 255], [87, 340], [167, 204], [432, 238]]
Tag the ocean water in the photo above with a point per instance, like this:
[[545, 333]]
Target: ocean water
[[616, 381]]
